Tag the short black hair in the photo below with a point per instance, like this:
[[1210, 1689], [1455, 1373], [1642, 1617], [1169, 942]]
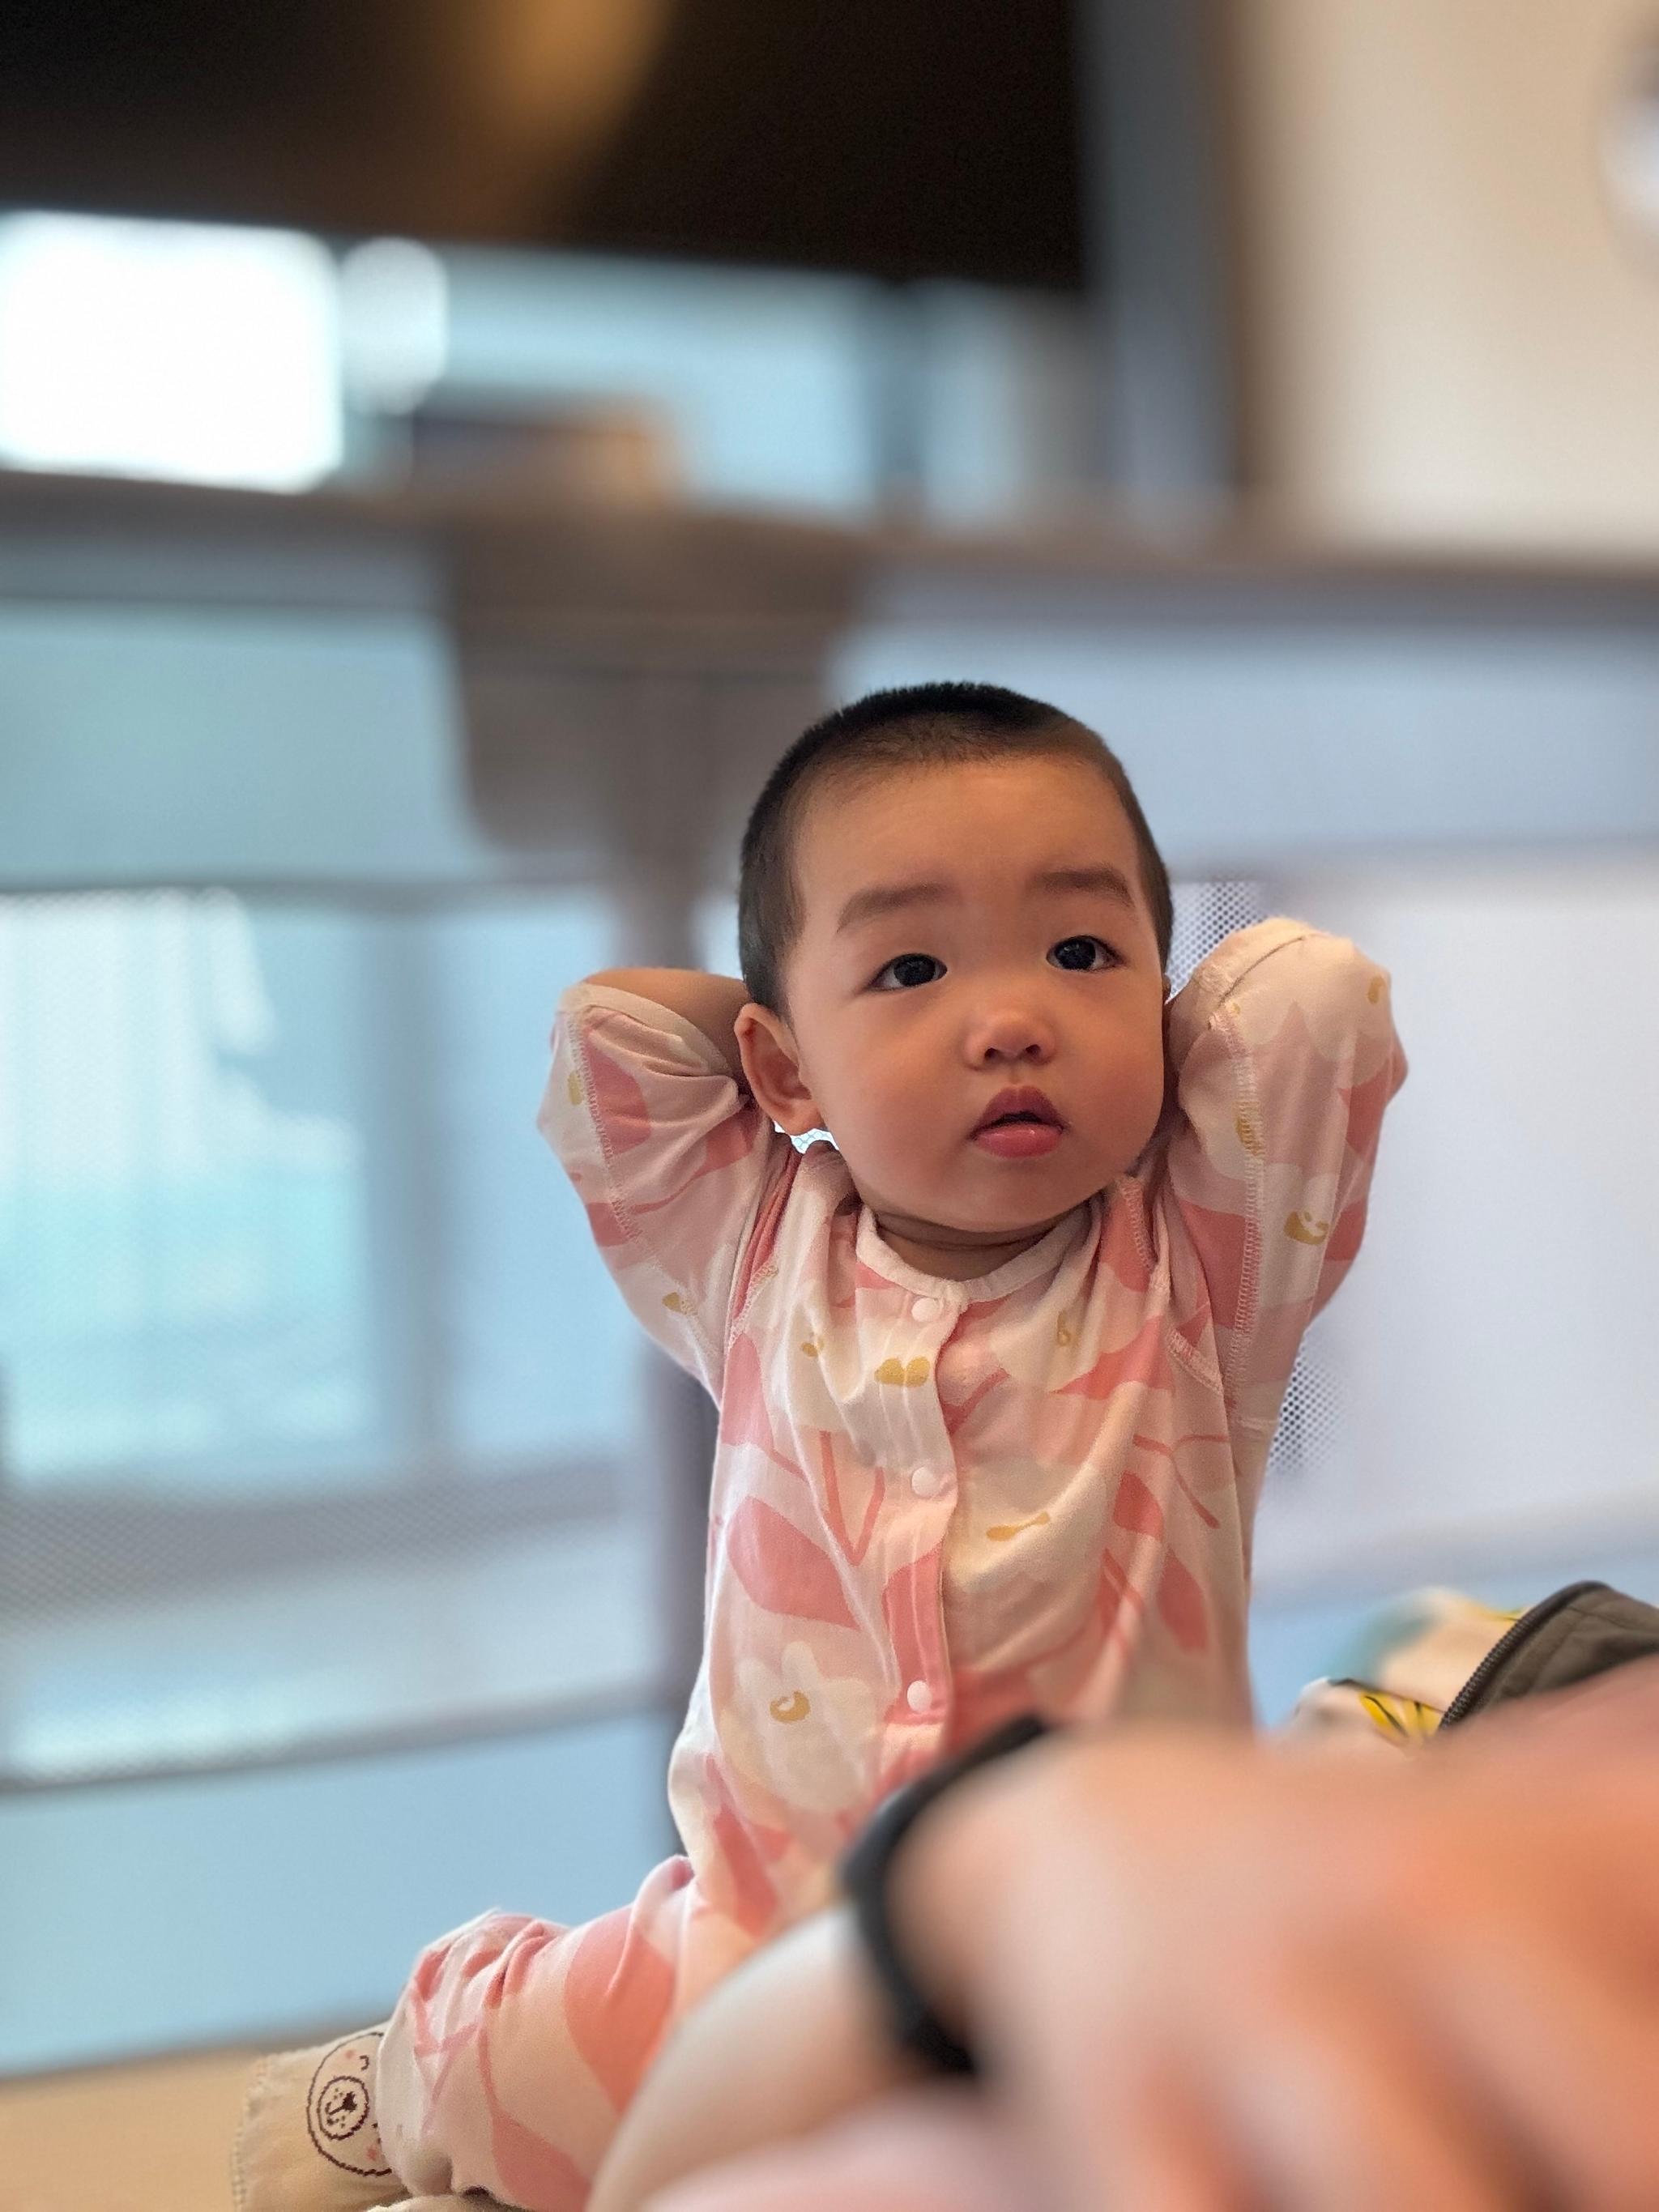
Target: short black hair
[[917, 725]]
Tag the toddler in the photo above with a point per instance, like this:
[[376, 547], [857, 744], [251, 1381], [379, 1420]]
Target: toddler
[[997, 1369]]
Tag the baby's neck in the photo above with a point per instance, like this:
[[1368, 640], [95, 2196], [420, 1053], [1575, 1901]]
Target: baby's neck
[[961, 1263]]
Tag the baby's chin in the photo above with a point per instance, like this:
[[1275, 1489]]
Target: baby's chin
[[986, 1199]]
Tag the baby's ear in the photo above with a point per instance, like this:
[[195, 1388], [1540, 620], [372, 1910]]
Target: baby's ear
[[767, 1048]]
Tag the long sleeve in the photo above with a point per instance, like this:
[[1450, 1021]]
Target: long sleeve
[[1285, 1056], [517, 2043], [676, 1164]]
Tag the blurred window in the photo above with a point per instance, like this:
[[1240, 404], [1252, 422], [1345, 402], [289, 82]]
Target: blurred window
[[231, 1134], [167, 349], [190, 1252], [312, 1415], [208, 353]]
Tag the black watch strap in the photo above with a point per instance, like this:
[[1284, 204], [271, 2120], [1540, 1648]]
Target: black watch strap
[[864, 1874]]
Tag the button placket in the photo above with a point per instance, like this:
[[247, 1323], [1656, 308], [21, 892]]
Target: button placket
[[927, 1481]]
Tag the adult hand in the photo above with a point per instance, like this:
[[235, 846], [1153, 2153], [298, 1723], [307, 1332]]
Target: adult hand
[[1208, 1973]]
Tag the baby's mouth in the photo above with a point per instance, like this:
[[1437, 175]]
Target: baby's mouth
[[1020, 1135], [1019, 1104]]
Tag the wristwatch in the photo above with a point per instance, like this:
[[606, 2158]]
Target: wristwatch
[[866, 1874]]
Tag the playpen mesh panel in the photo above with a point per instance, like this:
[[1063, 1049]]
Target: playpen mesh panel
[[1311, 1422]]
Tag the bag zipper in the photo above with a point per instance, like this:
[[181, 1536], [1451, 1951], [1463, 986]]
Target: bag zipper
[[1515, 1635]]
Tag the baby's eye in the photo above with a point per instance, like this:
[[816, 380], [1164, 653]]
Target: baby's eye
[[926, 960], [904, 960], [1099, 941]]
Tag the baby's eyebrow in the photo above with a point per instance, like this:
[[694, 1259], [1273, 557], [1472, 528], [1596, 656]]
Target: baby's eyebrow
[[877, 899]]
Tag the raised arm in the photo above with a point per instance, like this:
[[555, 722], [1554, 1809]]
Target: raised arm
[[1284, 1057], [710, 1003], [683, 1178]]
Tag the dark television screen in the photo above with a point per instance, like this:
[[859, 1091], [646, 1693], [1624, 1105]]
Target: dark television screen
[[903, 138]]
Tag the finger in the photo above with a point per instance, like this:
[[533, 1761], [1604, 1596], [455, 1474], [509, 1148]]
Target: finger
[[1340, 2103], [923, 2150], [1570, 2053], [1162, 2147], [1121, 2121]]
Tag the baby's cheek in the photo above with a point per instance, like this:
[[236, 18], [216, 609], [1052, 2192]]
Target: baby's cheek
[[1155, 1090]]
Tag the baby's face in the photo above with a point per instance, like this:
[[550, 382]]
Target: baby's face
[[907, 1021]]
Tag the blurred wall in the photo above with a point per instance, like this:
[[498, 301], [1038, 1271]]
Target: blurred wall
[[1448, 332]]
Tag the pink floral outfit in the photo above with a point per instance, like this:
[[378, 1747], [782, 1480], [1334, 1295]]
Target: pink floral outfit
[[934, 1503]]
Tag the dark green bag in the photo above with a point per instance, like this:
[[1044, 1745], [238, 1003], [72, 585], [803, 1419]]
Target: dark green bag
[[1569, 1637]]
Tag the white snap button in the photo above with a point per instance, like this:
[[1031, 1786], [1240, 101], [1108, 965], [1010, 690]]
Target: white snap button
[[925, 1308], [918, 1697], [926, 1482]]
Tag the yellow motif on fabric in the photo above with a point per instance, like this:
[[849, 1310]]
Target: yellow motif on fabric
[[1249, 1135], [1001, 1534], [811, 1347], [1305, 1229], [895, 1370], [1374, 989], [1400, 1716], [676, 1303], [795, 1707], [574, 1086]]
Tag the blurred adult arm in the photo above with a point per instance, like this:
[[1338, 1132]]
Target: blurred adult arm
[[1205, 1972]]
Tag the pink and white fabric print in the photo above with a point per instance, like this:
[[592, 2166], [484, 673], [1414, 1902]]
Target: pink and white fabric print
[[934, 1503]]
